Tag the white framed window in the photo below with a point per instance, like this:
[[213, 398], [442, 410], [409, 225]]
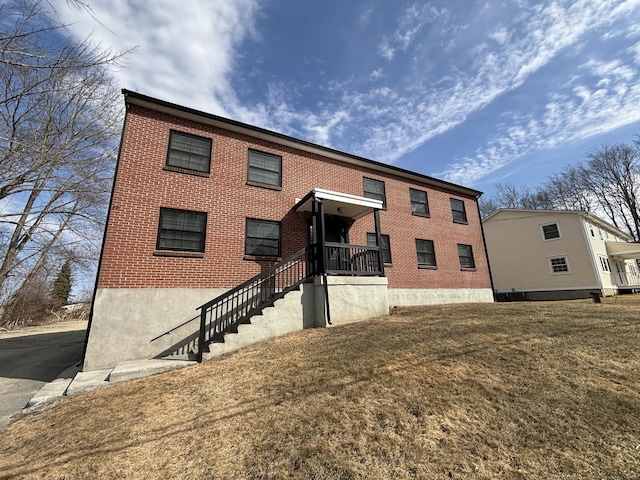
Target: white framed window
[[604, 264], [559, 265], [550, 231]]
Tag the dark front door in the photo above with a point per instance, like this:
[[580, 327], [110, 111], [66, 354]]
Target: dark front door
[[336, 230]]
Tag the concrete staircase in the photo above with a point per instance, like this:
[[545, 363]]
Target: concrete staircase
[[284, 317]]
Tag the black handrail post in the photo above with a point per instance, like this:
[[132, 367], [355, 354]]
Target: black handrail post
[[203, 324]]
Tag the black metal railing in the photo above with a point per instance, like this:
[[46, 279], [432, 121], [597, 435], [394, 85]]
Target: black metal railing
[[224, 313], [345, 259]]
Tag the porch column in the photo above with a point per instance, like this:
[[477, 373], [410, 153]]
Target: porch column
[[376, 221], [320, 239]]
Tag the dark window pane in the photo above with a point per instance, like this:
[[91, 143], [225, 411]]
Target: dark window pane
[[385, 248], [262, 238], [181, 230], [466, 256], [374, 189], [551, 231], [458, 211], [419, 203], [265, 168], [188, 151], [426, 252]]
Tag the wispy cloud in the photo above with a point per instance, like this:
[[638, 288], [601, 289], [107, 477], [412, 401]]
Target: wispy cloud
[[185, 50], [428, 73], [411, 21], [576, 111]]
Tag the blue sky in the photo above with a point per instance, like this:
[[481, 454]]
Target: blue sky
[[470, 92]]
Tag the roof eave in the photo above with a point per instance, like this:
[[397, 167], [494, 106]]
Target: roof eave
[[151, 103]]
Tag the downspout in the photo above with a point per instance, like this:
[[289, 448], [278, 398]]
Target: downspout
[[322, 270], [376, 221], [486, 252]]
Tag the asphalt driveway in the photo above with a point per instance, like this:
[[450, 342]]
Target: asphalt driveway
[[33, 356]]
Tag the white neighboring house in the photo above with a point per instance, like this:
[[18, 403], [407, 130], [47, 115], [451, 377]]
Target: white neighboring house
[[555, 254]]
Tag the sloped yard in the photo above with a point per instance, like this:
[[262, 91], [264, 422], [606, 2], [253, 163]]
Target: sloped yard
[[514, 391]]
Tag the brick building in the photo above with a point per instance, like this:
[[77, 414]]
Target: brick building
[[201, 204]]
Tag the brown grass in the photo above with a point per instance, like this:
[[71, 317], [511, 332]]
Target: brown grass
[[514, 391]]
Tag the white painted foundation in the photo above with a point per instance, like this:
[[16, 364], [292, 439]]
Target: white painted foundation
[[408, 297], [132, 324]]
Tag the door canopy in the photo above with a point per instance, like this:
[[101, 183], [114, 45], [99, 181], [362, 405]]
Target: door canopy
[[336, 203]]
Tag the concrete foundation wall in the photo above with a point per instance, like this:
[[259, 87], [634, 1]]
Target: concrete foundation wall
[[125, 320], [132, 323], [407, 297], [351, 299]]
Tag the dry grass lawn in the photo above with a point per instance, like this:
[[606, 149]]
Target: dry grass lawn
[[512, 391]]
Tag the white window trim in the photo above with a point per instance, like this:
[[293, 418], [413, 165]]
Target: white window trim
[[566, 261], [542, 225], [605, 265]]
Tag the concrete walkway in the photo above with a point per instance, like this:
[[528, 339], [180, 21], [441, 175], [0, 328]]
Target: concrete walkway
[[41, 365]]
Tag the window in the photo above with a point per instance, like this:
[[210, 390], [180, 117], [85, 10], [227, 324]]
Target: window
[[466, 256], [551, 231], [458, 211], [375, 189], [189, 152], [559, 265], [265, 168], [262, 238], [419, 204], [426, 253], [181, 230], [385, 248], [604, 263]]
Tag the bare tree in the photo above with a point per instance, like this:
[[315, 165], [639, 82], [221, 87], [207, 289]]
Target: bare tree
[[613, 173], [607, 184], [59, 125]]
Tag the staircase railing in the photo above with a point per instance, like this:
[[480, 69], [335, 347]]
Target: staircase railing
[[224, 313]]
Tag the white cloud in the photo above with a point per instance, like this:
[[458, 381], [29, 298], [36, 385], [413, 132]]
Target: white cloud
[[410, 22], [187, 54], [572, 114], [376, 74], [185, 50], [500, 36]]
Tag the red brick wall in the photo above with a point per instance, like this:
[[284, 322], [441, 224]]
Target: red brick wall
[[142, 187]]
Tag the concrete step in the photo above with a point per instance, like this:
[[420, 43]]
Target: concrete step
[[284, 317]]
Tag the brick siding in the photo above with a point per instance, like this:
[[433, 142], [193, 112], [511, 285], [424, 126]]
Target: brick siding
[[143, 186]]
